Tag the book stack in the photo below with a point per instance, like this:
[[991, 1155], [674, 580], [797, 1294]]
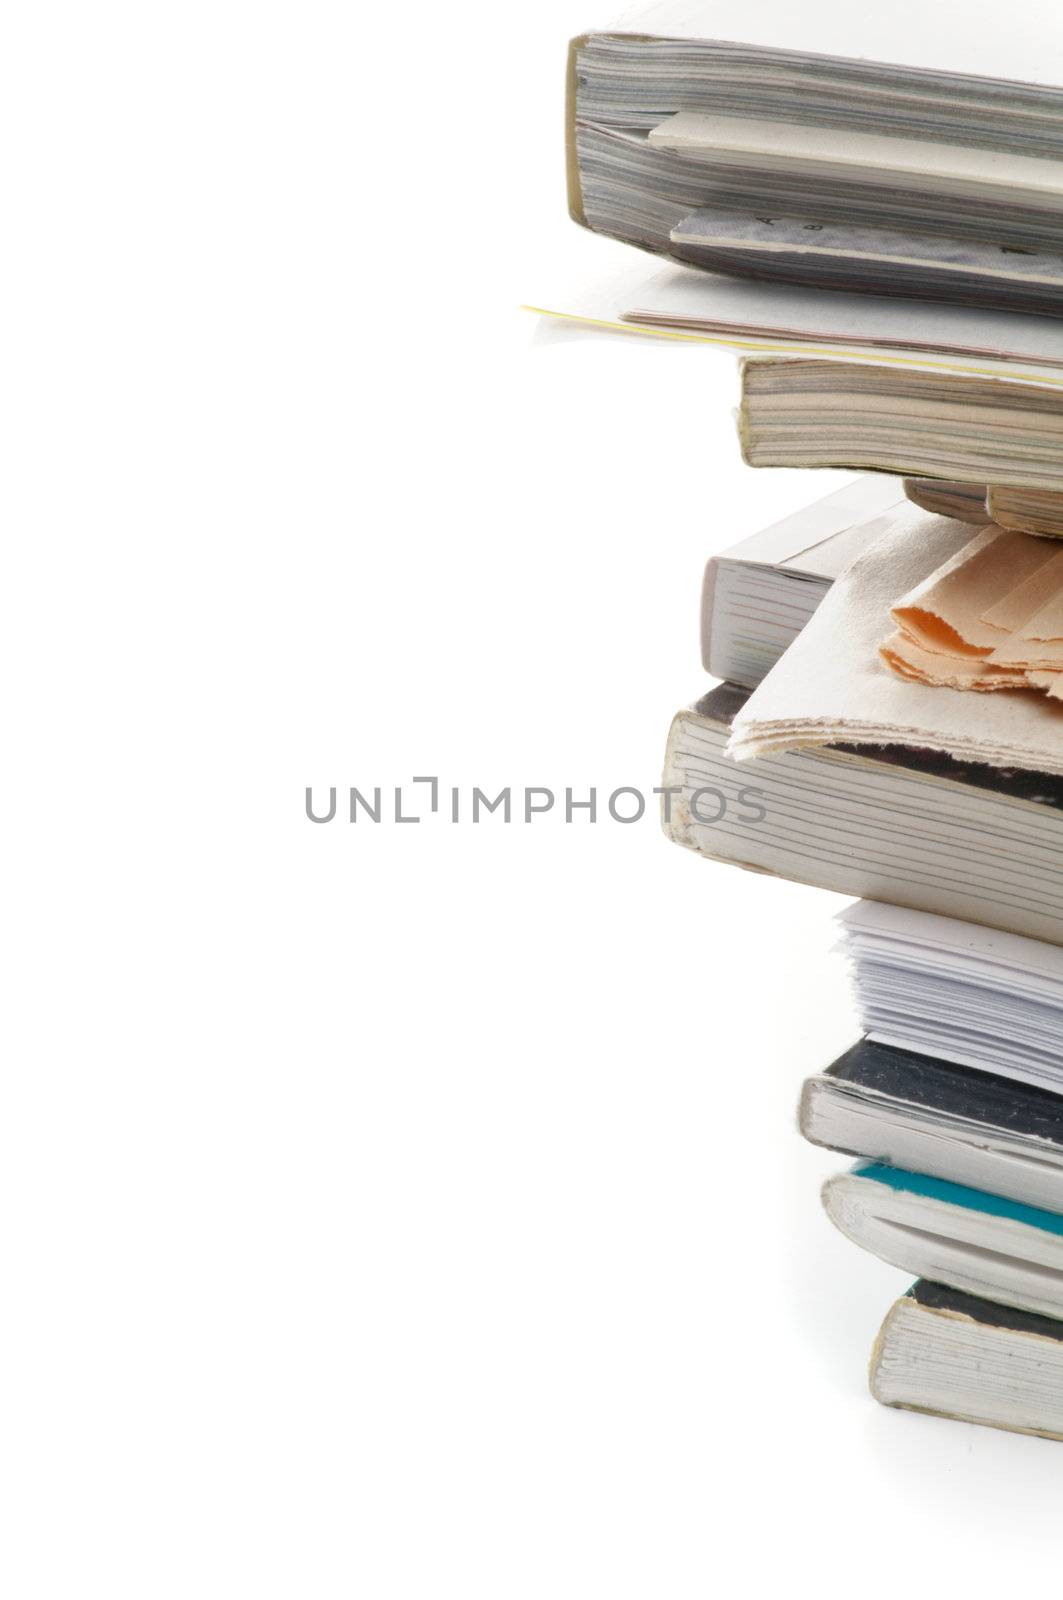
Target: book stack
[[887, 239]]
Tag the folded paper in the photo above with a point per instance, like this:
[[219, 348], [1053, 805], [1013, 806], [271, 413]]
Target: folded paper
[[833, 686]]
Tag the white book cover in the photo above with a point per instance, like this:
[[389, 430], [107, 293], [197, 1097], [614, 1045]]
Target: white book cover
[[984, 39], [817, 542]]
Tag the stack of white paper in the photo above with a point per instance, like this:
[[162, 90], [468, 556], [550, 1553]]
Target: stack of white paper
[[958, 991]]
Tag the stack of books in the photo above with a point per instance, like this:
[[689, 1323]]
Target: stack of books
[[887, 240]]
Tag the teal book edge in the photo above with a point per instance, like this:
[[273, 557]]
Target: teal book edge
[[956, 1194]]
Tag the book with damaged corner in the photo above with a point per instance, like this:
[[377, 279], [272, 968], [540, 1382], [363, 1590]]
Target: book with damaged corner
[[958, 1356], [923, 1114]]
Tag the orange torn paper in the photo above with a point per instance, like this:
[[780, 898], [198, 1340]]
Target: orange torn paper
[[946, 614], [991, 617], [1038, 644], [908, 660], [1018, 605]]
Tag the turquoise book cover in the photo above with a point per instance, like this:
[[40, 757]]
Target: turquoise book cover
[[957, 1194]]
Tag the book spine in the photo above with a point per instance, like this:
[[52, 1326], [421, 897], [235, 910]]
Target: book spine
[[743, 420], [708, 606], [875, 1361], [572, 173]]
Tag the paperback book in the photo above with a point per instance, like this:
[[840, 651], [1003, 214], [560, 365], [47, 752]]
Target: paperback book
[[955, 1355]]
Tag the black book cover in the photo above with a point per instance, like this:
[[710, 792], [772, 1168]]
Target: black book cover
[[937, 1298], [1020, 1108]]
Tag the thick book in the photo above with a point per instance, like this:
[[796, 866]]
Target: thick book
[[962, 839], [927, 1115], [970, 1239], [967, 994], [758, 595], [958, 1356], [677, 135], [808, 412]]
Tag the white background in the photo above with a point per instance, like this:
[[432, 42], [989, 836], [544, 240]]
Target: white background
[[394, 1211]]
